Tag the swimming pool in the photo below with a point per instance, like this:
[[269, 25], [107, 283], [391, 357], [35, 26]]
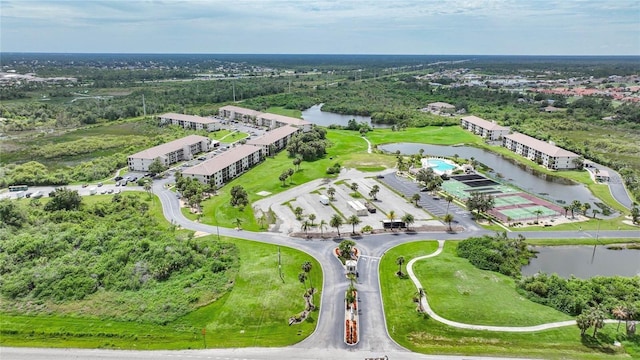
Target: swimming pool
[[439, 165]]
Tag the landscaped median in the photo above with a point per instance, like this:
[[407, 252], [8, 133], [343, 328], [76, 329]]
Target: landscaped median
[[458, 291]]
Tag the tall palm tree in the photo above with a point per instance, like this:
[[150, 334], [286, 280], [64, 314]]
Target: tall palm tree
[[391, 216], [331, 192], [408, 220], [374, 192], [353, 220], [585, 208], [597, 316], [538, 212], [305, 227], [306, 267], [448, 218], [400, 261], [449, 199], [312, 217], [620, 313], [354, 187], [336, 221], [302, 277], [346, 247], [322, 226], [415, 198], [575, 205]]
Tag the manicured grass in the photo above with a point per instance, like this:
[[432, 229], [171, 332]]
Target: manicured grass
[[582, 241], [448, 135], [591, 224], [418, 333], [235, 320]]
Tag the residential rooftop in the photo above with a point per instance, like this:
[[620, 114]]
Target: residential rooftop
[[542, 146], [217, 163], [166, 148], [273, 135], [485, 124], [191, 118]]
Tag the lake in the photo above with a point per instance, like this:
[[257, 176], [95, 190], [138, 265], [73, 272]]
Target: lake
[[553, 188], [577, 260], [324, 118]]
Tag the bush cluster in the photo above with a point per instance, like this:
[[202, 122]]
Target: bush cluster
[[496, 253]]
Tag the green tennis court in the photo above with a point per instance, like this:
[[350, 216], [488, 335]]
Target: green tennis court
[[528, 212], [511, 200]]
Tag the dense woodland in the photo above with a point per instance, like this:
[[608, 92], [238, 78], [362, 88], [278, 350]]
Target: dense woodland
[[110, 255]]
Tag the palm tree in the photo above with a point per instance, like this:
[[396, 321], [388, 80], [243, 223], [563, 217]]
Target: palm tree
[[322, 226], [374, 191], [336, 221], [262, 220], [147, 187], [585, 208], [353, 220], [331, 192], [354, 187], [283, 177], [399, 262], [296, 162], [449, 199], [596, 316], [391, 216], [448, 218], [408, 220], [312, 217], [538, 212], [415, 198], [583, 322], [346, 247], [238, 223], [303, 279], [620, 313], [290, 172], [306, 267], [575, 205], [566, 209], [298, 211], [305, 227]]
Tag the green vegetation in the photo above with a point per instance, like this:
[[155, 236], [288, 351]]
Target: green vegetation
[[491, 299], [496, 253]]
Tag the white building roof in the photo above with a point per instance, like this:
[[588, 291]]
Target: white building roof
[[169, 147], [241, 110], [542, 146], [442, 105], [485, 124], [217, 163], [191, 118], [274, 135], [285, 119]]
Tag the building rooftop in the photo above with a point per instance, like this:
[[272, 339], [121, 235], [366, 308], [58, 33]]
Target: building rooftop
[[241, 110], [285, 119], [169, 147], [217, 163], [442, 104], [485, 124], [191, 118], [542, 146], [273, 135]]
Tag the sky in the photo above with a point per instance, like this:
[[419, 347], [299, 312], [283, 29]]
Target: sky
[[430, 27]]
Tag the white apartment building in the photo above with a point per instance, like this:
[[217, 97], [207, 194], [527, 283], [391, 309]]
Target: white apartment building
[[227, 166], [440, 107], [278, 137], [545, 153], [169, 153], [487, 129], [190, 121], [272, 121]]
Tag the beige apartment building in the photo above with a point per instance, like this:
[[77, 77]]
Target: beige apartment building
[[190, 121], [547, 154], [487, 129], [227, 166], [278, 138], [169, 153], [272, 121]]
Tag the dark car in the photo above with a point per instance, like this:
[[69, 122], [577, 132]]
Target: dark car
[[27, 195], [380, 176], [99, 184], [118, 178]]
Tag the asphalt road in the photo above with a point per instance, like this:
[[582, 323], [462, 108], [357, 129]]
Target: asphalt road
[[327, 340]]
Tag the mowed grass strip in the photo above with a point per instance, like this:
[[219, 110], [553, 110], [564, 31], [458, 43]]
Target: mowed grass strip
[[418, 333], [254, 313], [446, 135]]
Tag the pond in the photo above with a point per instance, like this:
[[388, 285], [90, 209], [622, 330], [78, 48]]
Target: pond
[[324, 118], [582, 262], [553, 188]]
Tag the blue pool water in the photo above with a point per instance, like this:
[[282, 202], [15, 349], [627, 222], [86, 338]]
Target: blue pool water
[[440, 165]]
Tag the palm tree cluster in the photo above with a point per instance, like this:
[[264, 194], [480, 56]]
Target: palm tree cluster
[[594, 316], [480, 202], [429, 179]]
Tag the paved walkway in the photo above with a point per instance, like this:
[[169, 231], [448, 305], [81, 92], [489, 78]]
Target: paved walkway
[[433, 315]]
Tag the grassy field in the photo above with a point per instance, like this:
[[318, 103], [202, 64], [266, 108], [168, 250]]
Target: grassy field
[[235, 320], [285, 112], [412, 330], [450, 135]]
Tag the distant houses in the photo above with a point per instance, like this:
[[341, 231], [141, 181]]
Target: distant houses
[[487, 129], [171, 152], [271, 121], [544, 153], [190, 121]]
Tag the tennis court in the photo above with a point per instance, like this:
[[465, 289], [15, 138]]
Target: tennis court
[[479, 183], [468, 177], [511, 200], [529, 212]]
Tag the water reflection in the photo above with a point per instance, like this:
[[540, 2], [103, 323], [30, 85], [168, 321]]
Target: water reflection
[[554, 188], [324, 118], [577, 260]]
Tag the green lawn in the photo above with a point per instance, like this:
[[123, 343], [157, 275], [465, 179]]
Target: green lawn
[[285, 112], [448, 135], [418, 333], [254, 313]]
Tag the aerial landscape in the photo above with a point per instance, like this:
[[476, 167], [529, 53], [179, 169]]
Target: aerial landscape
[[319, 180]]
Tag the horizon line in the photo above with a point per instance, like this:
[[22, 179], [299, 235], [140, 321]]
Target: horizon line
[[309, 54]]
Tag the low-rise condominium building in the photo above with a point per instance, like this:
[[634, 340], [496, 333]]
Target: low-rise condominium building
[[169, 153], [275, 140], [269, 120], [227, 166], [542, 152], [441, 107], [487, 129], [190, 121]]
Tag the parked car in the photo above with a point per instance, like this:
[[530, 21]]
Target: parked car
[[118, 178], [110, 191], [85, 185], [117, 183], [27, 195], [99, 184]]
